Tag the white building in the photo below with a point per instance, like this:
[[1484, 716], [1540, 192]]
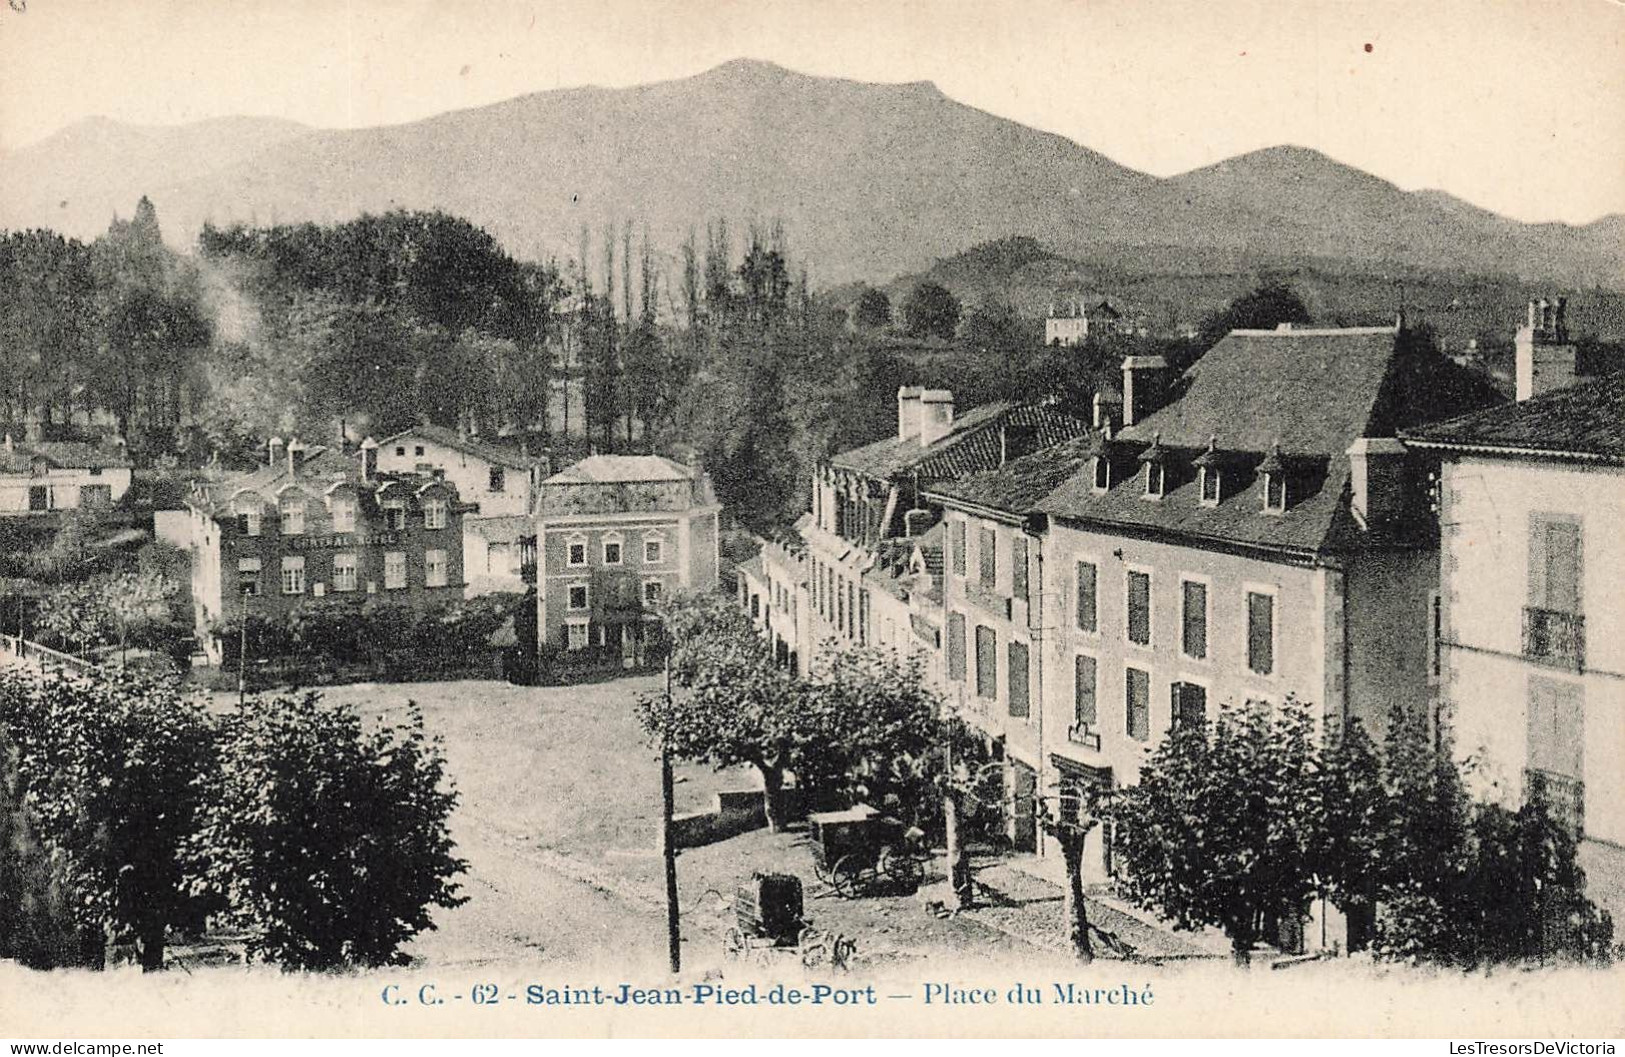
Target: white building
[[37, 477]]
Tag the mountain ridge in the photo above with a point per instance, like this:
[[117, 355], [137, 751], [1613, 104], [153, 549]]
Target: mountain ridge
[[871, 181]]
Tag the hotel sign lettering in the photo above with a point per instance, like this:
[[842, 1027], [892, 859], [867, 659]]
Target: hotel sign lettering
[[342, 540]]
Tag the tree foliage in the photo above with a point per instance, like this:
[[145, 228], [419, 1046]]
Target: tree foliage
[[873, 310], [931, 311], [324, 839], [1272, 303]]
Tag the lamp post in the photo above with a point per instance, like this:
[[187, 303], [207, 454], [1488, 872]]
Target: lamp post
[[668, 848], [242, 652]]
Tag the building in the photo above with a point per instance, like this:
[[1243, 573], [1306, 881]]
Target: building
[[771, 589], [1252, 532], [41, 476], [316, 525], [616, 535], [499, 482], [1066, 324], [1543, 357], [1531, 626], [866, 499]]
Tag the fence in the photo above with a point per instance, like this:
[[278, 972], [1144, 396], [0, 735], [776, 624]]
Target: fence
[[45, 658]]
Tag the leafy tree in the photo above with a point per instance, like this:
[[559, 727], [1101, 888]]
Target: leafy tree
[[138, 606], [931, 311], [1009, 341], [734, 704], [873, 310], [109, 766], [325, 840], [1220, 828], [1270, 304], [1356, 815]]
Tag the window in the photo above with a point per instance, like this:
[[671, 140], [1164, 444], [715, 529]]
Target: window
[[576, 552], [1274, 492], [1137, 699], [496, 480], [1018, 567], [434, 568], [1261, 632], [394, 570], [957, 545], [1154, 479], [1086, 597], [39, 497], [956, 647], [343, 514], [987, 663], [293, 576], [651, 592], [863, 616], [434, 513], [1085, 675], [653, 552], [575, 633], [1187, 704], [987, 557], [612, 552], [292, 509], [417, 450], [395, 514], [248, 518], [840, 605], [1554, 563], [400, 450], [1103, 473], [1556, 734], [1019, 676], [1193, 626], [1435, 635], [344, 572], [1139, 608], [578, 598], [1210, 486], [248, 576], [96, 496]]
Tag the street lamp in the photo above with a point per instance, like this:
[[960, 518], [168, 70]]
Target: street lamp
[[242, 651]]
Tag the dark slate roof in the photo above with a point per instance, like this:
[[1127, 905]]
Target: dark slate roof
[[450, 438], [1584, 421], [972, 445], [19, 456], [1018, 485], [320, 468], [1312, 391]]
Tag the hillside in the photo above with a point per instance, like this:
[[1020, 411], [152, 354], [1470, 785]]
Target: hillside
[[871, 180]]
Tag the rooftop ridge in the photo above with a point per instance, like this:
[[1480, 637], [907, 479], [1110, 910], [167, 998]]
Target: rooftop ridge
[[1317, 332]]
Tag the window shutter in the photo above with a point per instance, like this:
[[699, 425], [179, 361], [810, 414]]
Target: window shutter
[[1083, 703], [1018, 567], [987, 663], [1019, 673], [1137, 692], [1195, 629], [957, 543], [1537, 561], [1260, 633], [1563, 566], [1086, 597], [956, 647], [987, 557], [1139, 608]]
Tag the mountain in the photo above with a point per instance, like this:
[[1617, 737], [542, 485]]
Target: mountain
[[870, 181]]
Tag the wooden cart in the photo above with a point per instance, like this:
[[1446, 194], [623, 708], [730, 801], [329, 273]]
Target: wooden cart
[[768, 924], [858, 850]]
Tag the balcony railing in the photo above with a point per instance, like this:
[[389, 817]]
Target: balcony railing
[[1554, 638], [1563, 796]]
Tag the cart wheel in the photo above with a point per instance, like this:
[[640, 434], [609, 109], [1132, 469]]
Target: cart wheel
[[847, 875], [734, 944], [820, 872], [901, 868]]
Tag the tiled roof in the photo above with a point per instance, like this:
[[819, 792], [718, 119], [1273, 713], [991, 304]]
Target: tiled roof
[[613, 469], [19, 456], [450, 438], [752, 568], [1312, 392], [507, 528], [973, 444], [1585, 421], [320, 467], [1021, 483]]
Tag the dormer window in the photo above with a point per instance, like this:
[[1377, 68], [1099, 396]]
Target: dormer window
[[1103, 473], [1210, 486], [1273, 471], [343, 514], [1155, 478], [292, 510], [1209, 475]]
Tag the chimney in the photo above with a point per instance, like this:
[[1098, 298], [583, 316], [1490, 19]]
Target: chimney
[[908, 411], [273, 448], [1377, 480], [917, 521], [296, 455], [1108, 409], [936, 415], [1143, 381], [1543, 358], [369, 459]]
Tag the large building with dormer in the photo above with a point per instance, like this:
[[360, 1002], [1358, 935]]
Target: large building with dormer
[[315, 525]]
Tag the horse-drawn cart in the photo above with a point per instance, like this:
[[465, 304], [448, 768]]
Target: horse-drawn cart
[[857, 850], [768, 924]]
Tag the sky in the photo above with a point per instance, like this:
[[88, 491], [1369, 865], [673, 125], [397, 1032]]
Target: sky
[[1514, 105]]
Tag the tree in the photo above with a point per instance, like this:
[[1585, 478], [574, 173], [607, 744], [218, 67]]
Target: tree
[[139, 605], [1270, 304], [325, 840], [931, 311], [109, 767], [873, 310], [1219, 830], [734, 704]]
